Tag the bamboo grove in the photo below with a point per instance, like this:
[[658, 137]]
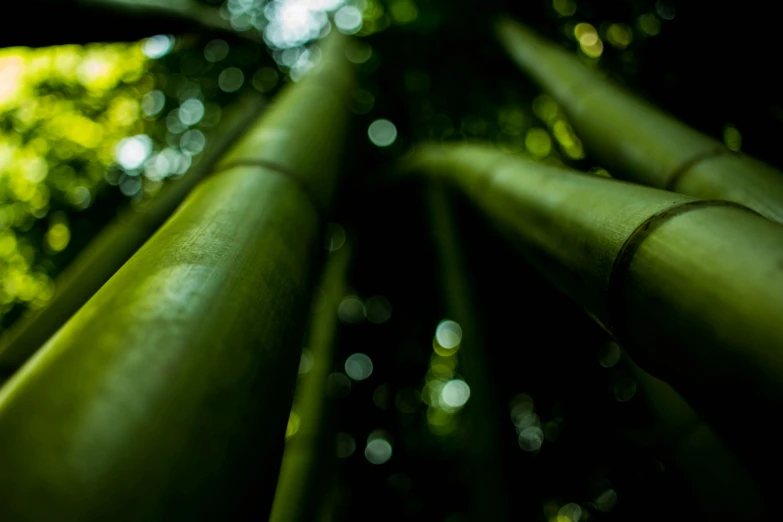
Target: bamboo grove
[[160, 381]]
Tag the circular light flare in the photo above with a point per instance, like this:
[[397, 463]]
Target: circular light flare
[[348, 19], [377, 309], [216, 50], [454, 394], [231, 79], [132, 152], [606, 500], [346, 445], [531, 439], [448, 334], [609, 355], [191, 111], [153, 102], [351, 310], [157, 46], [382, 133], [358, 367], [570, 512], [378, 451]]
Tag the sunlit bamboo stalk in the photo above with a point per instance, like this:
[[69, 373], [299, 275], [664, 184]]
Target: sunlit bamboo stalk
[[693, 289], [491, 500], [166, 396], [309, 455], [116, 243], [718, 482], [637, 141]]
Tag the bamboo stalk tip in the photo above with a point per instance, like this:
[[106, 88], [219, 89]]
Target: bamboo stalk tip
[[502, 22]]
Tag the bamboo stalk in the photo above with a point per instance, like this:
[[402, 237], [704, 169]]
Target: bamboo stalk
[[309, 454], [693, 289], [203, 15], [719, 483], [637, 141], [115, 244], [490, 496], [112, 20], [167, 395]]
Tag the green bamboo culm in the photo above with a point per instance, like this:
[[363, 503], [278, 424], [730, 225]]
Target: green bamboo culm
[[693, 289], [719, 484], [116, 243], [309, 456], [205, 15], [635, 140], [490, 500], [166, 396]]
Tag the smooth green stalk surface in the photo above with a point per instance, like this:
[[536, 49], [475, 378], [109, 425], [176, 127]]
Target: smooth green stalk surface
[[309, 453], [694, 290], [637, 141], [115, 244], [491, 500], [719, 483], [167, 395], [205, 15]]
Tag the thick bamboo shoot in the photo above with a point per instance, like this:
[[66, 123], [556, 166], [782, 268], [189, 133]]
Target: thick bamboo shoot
[[637, 141], [166, 396], [115, 244], [693, 289], [309, 454]]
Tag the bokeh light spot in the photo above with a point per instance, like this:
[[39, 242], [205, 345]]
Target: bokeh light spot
[[348, 19], [606, 500], [571, 512], [609, 354], [531, 439], [358, 367], [351, 310], [131, 152], [448, 334], [346, 445], [538, 143], [334, 237], [157, 46], [231, 79], [338, 385], [378, 451], [455, 394], [191, 111], [216, 50], [382, 133], [377, 309], [153, 102], [624, 389]]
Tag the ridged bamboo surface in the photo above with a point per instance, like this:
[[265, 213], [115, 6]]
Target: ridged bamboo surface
[[693, 289], [166, 396], [637, 141]]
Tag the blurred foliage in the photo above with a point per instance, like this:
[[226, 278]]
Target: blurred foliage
[[84, 128], [62, 111]]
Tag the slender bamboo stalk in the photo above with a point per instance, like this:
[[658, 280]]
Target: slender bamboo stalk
[[92, 21], [491, 500], [115, 244], [167, 395], [693, 289], [719, 483], [637, 141], [309, 454], [207, 16]]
